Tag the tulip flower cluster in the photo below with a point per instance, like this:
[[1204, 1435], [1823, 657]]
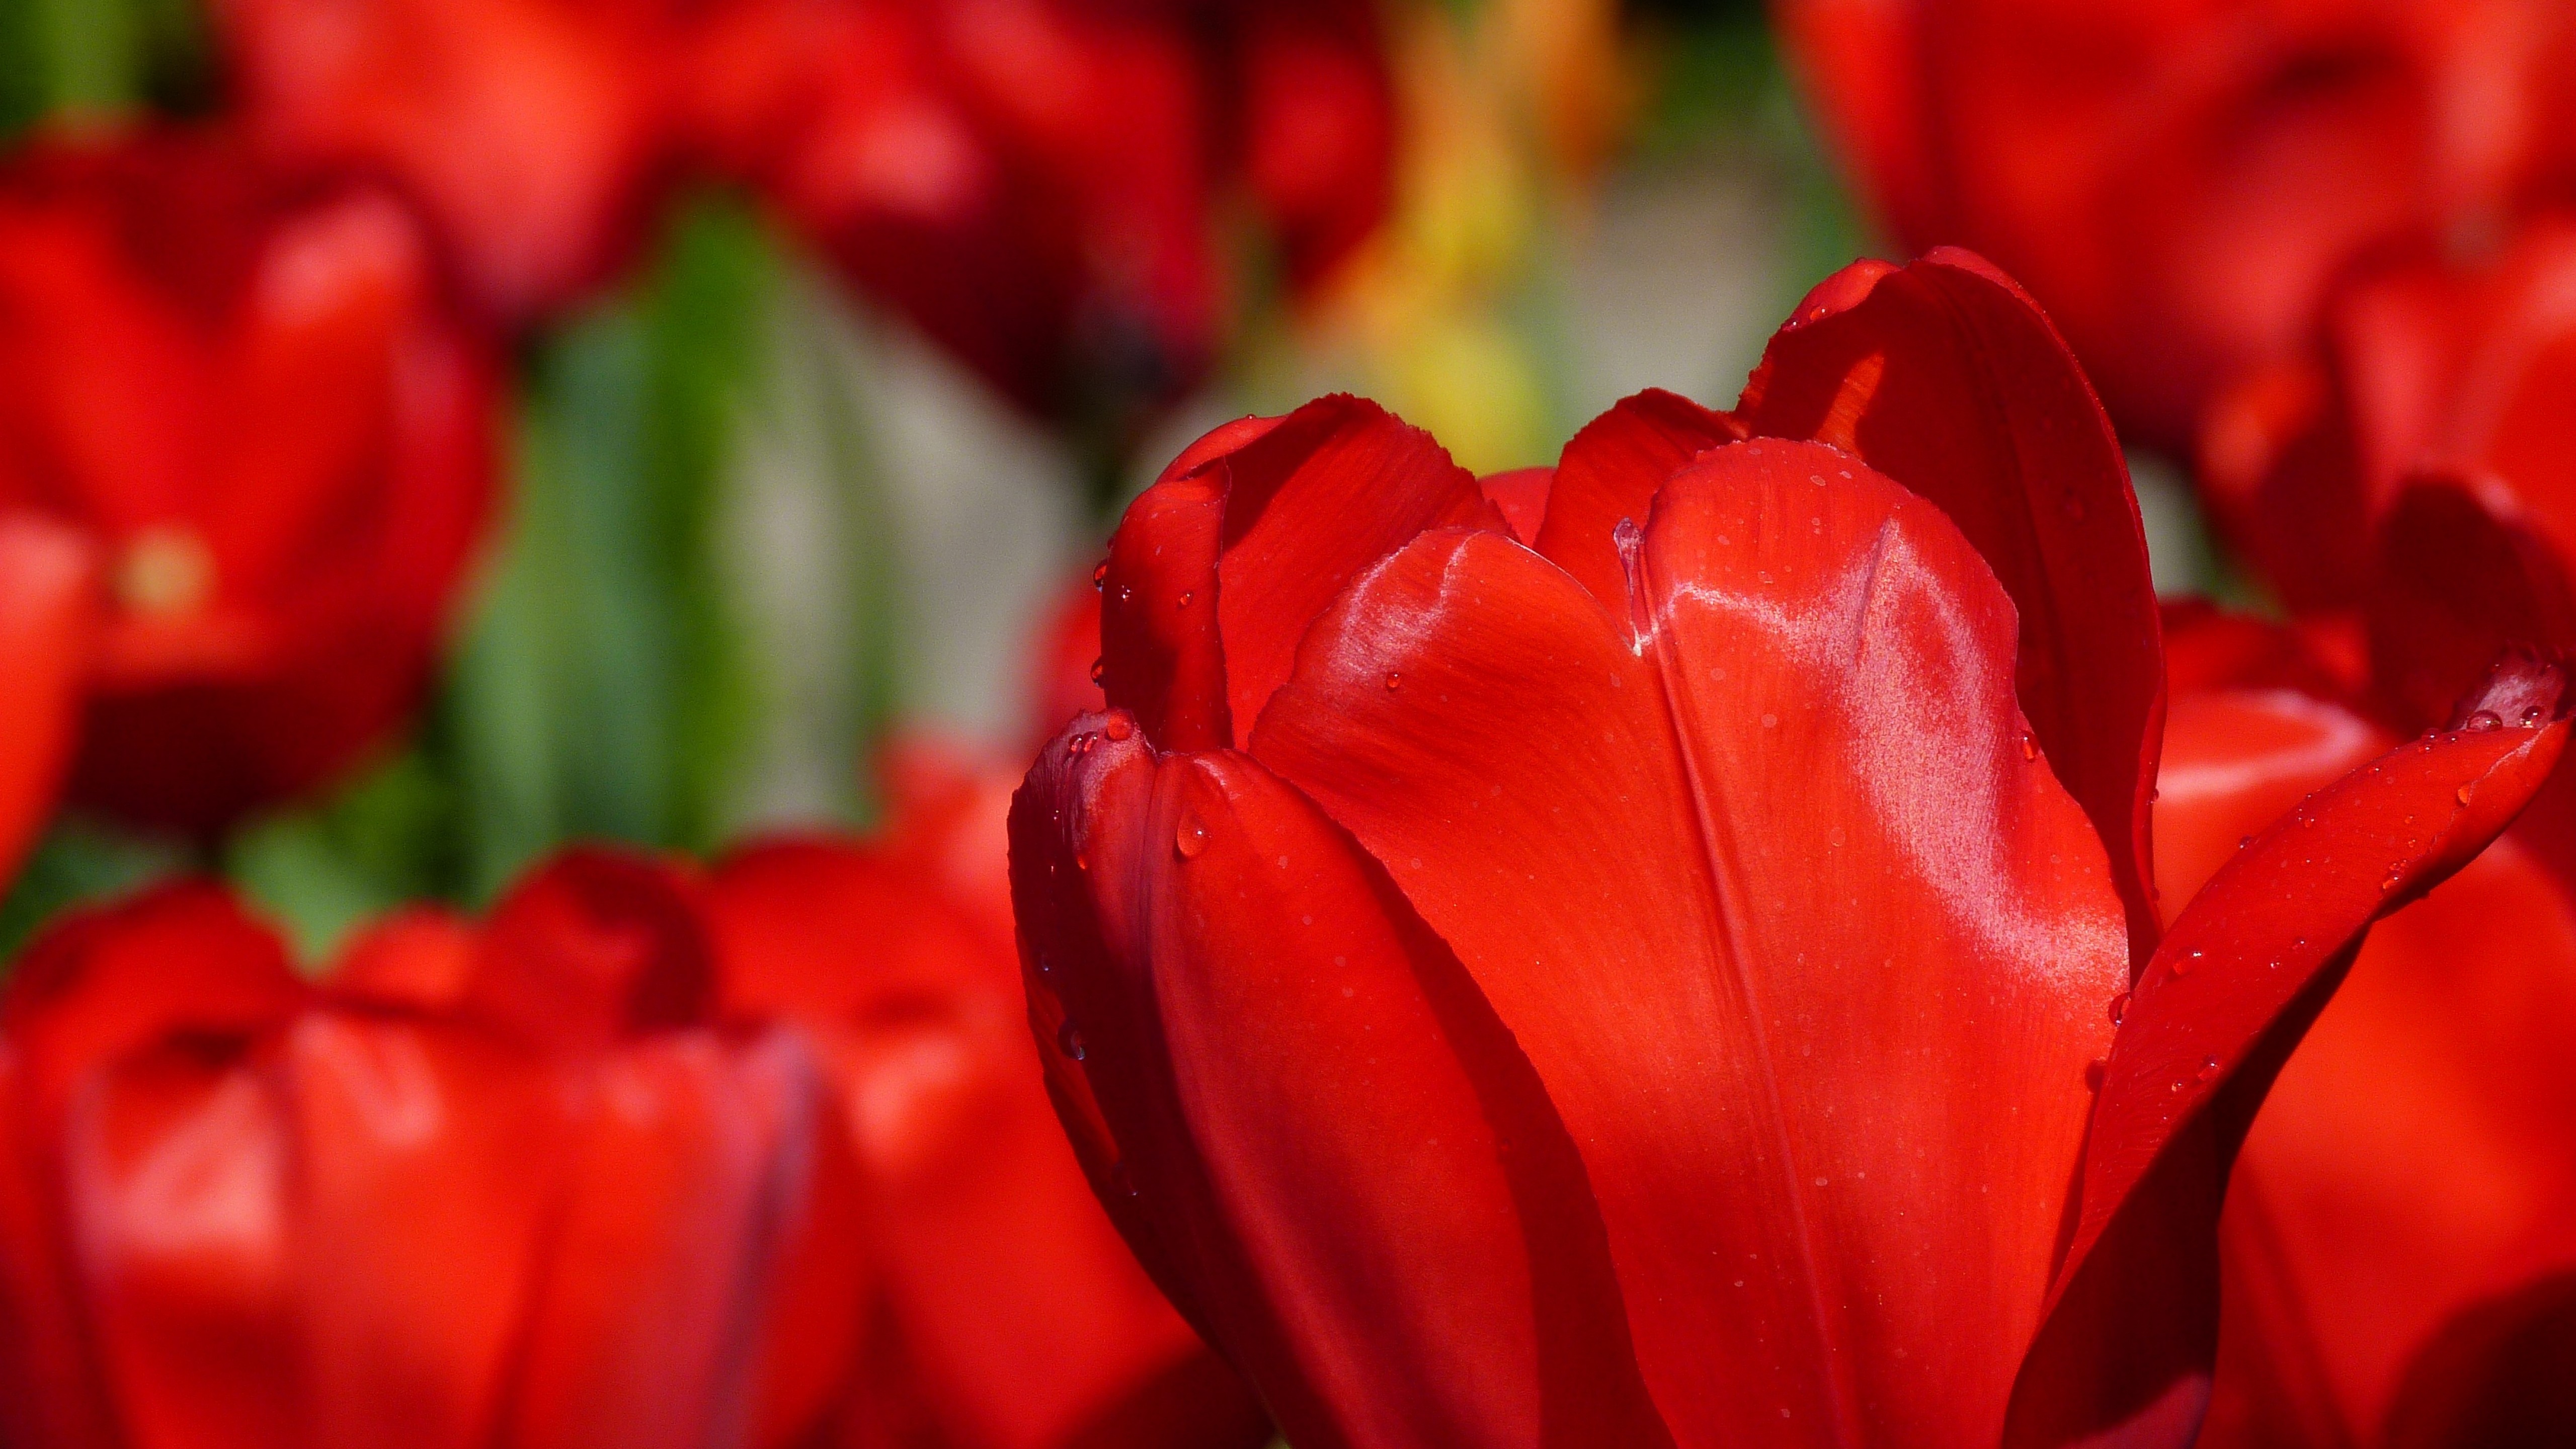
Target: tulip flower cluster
[[1765, 931], [649, 1156]]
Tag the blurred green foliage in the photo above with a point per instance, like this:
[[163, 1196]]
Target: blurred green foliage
[[602, 690], [88, 59], [601, 687]]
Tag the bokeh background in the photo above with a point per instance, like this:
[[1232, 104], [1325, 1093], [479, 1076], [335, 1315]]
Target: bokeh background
[[754, 517]]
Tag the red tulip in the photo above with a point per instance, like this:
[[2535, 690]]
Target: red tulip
[[1633, 985], [2424, 364], [1031, 182], [46, 610], [2180, 181], [497, 1188], [2408, 1174], [530, 131], [1023, 1322], [246, 397]]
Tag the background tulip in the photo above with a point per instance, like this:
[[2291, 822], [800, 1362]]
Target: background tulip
[[409, 1220], [529, 131], [2399, 1183], [251, 403], [1017, 1317], [1437, 909], [2180, 182]]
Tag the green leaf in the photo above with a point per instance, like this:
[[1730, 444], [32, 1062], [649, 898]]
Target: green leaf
[[602, 689]]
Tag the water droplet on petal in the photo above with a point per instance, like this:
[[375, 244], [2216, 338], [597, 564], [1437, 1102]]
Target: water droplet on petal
[[2243, 841], [1393, 678], [2120, 1007], [2461, 794], [1081, 861], [1099, 667], [2483, 720], [2208, 1069], [1100, 574], [1186, 596], [1191, 839], [1071, 1041], [2531, 714], [2184, 963]]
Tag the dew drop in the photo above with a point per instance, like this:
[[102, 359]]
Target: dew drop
[[2243, 841], [2120, 1007], [1071, 1040], [2029, 746], [2208, 1069], [2484, 720], [2531, 714], [1081, 861], [1394, 679], [1191, 838], [1100, 574], [1099, 667], [1186, 596], [2184, 963], [2461, 794]]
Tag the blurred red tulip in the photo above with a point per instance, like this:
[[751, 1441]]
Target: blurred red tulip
[[1022, 1322], [2465, 368], [531, 132], [1033, 182], [248, 400], [398, 1210], [2408, 1170], [1448, 954], [2179, 181], [46, 612]]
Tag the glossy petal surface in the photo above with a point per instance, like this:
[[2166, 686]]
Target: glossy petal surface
[[1399, 1247], [2401, 1169], [1945, 376], [2247, 965], [1799, 827]]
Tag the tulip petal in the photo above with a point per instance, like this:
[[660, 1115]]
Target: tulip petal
[[1223, 549], [45, 622], [1520, 495], [2497, 1375], [1945, 376], [595, 944], [1373, 1207], [418, 1149], [1797, 825], [2242, 974], [1610, 471], [692, 1169], [94, 987], [175, 1180], [1020, 1309], [2402, 1165]]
